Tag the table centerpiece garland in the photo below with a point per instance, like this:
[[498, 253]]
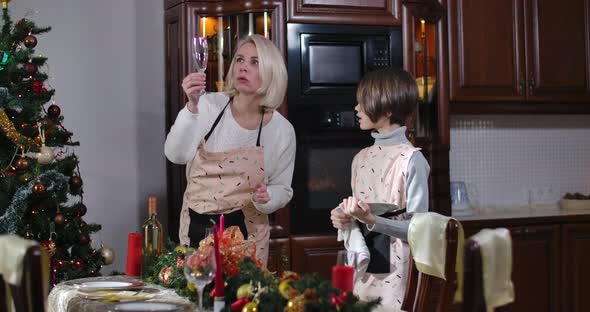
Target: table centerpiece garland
[[248, 286]]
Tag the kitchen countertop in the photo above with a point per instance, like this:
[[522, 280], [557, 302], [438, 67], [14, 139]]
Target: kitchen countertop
[[534, 215]]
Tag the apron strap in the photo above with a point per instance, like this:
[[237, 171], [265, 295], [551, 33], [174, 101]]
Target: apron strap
[[217, 120], [260, 128]]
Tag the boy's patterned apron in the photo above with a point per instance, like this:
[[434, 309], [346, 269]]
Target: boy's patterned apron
[[223, 182], [379, 176]]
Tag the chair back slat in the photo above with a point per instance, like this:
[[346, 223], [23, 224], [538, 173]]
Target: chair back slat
[[428, 293], [473, 298], [31, 294]]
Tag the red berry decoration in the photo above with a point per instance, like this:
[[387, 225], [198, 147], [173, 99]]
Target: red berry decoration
[[37, 86], [53, 111], [82, 210], [30, 68], [39, 188], [30, 41], [84, 238]]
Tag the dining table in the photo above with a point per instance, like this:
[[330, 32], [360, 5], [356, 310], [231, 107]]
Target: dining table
[[104, 293]]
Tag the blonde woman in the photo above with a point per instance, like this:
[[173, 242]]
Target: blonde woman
[[238, 149]]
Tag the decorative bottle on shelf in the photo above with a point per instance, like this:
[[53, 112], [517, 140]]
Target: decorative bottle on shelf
[[153, 239]]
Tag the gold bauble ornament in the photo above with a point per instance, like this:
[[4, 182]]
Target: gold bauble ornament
[[45, 155], [108, 254], [286, 290], [250, 307], [245, 291], [296, 304]]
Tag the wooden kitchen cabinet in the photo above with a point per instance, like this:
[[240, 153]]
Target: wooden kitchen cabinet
[[575, 269], [279, 255], [314, 254], [535, 268], [519, 56], [363, 12]]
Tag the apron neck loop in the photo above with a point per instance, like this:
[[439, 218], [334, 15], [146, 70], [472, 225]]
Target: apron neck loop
[[221, 115]]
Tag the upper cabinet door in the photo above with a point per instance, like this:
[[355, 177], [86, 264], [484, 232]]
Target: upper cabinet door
[[558, 50], [364, 12], [485, 51]]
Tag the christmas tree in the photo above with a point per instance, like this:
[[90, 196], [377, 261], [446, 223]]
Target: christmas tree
[[41, 188]]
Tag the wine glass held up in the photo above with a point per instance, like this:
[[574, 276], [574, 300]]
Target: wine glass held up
[[200, 55], [199, 269]]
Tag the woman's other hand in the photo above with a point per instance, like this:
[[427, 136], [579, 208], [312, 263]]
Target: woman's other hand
[[261, 195], [192, 85], [340, 220], [359, 210]]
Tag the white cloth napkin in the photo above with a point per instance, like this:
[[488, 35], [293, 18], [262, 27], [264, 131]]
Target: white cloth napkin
[[13, 249], [496, 256], [354, 242], [428, 243]]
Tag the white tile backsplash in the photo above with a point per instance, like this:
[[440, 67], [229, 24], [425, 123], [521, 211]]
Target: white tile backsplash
[[511, 160]]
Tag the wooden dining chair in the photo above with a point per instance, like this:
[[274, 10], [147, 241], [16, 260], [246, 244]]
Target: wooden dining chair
[[425, 293], [31, 294], [473, 292]]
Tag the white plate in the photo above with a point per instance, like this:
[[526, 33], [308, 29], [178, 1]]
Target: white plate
[[91, 286], [146, 306]]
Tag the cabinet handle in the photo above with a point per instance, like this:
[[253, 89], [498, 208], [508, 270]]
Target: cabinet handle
[[521, 84], [531, 84]]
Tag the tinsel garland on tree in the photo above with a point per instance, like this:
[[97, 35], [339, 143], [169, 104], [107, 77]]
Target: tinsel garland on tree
[[11, 217]]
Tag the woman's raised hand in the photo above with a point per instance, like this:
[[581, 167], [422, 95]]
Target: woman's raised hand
[[261, 195], [192, 85]]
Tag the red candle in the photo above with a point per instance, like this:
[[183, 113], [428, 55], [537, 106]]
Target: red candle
[[134, 245], [342, 277], [221, 225], [219, 269]]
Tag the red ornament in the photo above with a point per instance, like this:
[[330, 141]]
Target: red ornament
[[239, 304], [30, 41], [338, 301], [82, 210], [53, 111], [39, 188], [75, 184], [59, 219], [23, 164], [30, 68], [84, 239]]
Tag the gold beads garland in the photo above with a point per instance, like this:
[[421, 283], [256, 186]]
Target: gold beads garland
[[13, 134]]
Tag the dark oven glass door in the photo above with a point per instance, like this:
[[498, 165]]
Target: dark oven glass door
[[322, 179]]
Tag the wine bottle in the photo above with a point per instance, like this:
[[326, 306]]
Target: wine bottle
[[153, 239]]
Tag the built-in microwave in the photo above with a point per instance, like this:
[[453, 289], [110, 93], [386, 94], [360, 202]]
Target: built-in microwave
[[325, 65]]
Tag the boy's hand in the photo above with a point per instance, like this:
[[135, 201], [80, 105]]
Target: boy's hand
[[261, 195], [359, 210], [339, 219]]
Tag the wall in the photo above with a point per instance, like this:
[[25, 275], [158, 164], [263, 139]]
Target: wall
[[106, 63], [506, 159]]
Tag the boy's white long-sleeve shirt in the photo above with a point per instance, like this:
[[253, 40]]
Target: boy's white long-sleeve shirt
[[277, 139]]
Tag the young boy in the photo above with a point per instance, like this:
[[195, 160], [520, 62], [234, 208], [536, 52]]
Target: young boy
[[391, 171]]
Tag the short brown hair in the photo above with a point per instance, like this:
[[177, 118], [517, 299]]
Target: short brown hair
[[385, 91]]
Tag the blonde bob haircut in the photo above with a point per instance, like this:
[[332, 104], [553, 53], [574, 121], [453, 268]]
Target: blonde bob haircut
[[272, 70]]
